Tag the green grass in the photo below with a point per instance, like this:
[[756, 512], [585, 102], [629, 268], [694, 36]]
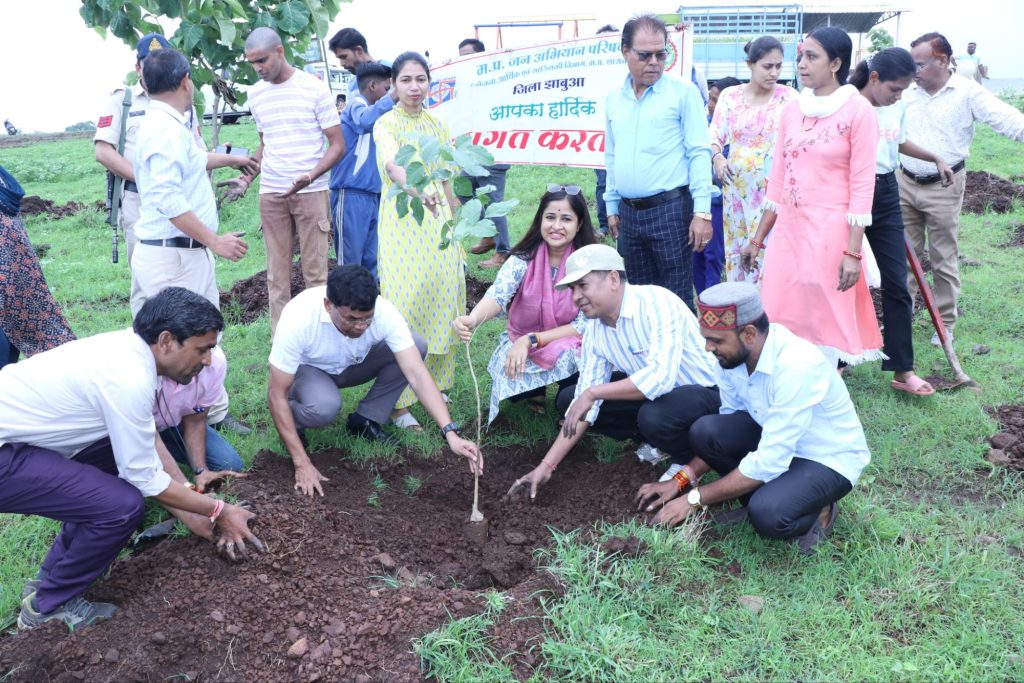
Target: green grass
[[918, 582]]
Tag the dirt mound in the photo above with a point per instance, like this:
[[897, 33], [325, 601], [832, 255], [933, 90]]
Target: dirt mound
[[250, 294], [33, 205], [1016, 237], [1008, 445], [987, 192], [348, 580], [475, 290]]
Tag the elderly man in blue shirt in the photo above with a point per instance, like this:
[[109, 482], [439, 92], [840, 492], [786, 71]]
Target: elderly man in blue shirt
[[658, 157], [786, 441]]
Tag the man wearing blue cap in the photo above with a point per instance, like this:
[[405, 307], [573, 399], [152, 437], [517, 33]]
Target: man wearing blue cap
[[786, 441]]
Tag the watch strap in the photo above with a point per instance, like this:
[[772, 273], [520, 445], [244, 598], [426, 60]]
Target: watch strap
[[450, 427]]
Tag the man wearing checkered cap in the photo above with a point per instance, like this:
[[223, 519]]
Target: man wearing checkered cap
[[644, 373], [786, 441]]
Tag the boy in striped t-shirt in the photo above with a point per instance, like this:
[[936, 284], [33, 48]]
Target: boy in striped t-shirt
[[293, 112]]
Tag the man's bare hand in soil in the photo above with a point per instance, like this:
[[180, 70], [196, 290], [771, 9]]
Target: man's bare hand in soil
[[536, 477], [233, 524], [307, 480], [656, 494]]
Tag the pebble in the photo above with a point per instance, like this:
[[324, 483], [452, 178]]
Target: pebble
[[299, 648], [293, 634], [1003, 440], [374, 594], [217, 615], [753, 603], [386, 561], [985, 540], [300, 618], [515, 538], [406, 575], [112, 655], [458, 606], [335, 628], [998, 457], [233, 629], [981, 349], [268, 637], [158, 638]]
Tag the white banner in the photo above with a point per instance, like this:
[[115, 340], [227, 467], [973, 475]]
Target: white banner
[[542, 104]]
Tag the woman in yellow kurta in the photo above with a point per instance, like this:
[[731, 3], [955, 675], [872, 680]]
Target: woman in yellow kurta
[[426, 283]]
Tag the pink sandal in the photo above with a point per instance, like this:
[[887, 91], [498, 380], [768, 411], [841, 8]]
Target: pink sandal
[[915, 386]]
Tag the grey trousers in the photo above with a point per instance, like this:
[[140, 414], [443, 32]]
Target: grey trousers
[[315, 400]]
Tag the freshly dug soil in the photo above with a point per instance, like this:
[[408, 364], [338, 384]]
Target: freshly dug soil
[[251, 294], [33, 205], [1016, 237], [346, 584], [475, 290], [986, 192], [1010, 441]]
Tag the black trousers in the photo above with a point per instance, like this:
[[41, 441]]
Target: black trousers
[[663, 422], [785, 507], [885, 235], [655, 246]]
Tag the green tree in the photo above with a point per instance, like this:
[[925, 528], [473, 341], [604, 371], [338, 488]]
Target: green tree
[[211, 33], [880, 39]]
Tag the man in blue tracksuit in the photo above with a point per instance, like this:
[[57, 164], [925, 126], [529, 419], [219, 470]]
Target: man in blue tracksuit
[[355, 182]]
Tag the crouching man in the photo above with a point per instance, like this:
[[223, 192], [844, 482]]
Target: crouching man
[[644, 372], [787, 441], [345, 335], [78, 444]]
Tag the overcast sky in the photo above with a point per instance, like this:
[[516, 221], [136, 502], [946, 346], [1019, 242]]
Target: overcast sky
[[56, 71]]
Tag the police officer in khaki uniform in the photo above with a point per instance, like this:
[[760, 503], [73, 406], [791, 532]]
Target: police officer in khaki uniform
[[108, 132]]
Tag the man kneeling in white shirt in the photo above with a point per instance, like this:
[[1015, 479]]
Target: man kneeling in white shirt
[[344, 335], [787, 440]]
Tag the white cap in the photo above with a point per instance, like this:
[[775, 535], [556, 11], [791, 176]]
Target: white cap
[[588, 259]]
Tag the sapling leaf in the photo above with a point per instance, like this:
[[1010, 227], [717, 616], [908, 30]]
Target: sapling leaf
[[482, 155], [470, 163], [394, 191], [416, 175], [471, 211], [405, 155], [482, 228], [417, 210], [430, 148], [463, 141], [462, 186], [441, 175], [444, 244], [446, 153], [481, 191], [402, 205], [501, 208]]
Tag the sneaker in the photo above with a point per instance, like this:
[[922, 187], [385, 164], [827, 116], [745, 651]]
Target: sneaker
[[76, 612], [949, 335], [817, 533], [648, 453], [30, 587], [233, 424], [669, 473]]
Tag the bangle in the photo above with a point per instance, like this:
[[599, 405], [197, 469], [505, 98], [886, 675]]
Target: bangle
[[682, 479], [189, 485], [218, 508], [310, 176], [550, 466], [759, 245], [853, 254]]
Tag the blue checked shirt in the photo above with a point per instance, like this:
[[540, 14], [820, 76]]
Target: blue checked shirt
[[656, 341], [657, 143], [803, 408], [170, 170]]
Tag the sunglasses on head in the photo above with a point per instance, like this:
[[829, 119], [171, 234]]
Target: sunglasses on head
[[568, 189]]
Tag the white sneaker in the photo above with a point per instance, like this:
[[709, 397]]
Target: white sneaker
[[648, 453], [949, 335], [669, 473]]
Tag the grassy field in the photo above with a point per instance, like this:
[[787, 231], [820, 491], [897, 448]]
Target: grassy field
[[920, 580]]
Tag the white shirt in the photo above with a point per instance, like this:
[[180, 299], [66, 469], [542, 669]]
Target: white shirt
[[803, 408], [292, 116], [656, 341], [170, 170], [943, 123], [306, 336], [70, 397], [891, 134]]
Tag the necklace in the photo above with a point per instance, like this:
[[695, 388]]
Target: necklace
[[805, 127]]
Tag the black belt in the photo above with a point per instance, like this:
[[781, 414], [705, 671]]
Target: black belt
[[933, 177], [176, 242], [884, 176], [130, 186], [656, 199]]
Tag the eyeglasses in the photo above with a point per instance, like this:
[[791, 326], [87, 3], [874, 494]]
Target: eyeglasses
[[356, 322], [924, 65], [660, 55], [568, 189]]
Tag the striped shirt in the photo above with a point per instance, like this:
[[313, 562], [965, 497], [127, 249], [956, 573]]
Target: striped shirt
[[170, 170], [656, 341], [292, 117]]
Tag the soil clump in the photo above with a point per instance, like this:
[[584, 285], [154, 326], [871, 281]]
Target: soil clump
[[34, 205], [475, 290], [987, 192], [346, 584], [1016, 237], [1008, 444]]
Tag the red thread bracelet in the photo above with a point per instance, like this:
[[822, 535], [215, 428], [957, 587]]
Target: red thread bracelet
[[759, 245], [682, 479], [853, 254], [550, 466]]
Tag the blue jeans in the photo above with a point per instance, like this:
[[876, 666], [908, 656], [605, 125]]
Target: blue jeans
[[220, 455], [602, 208]]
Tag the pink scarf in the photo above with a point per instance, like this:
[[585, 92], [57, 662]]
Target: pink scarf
[[537, 307]]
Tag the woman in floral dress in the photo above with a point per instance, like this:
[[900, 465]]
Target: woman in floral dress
[[745, 119]]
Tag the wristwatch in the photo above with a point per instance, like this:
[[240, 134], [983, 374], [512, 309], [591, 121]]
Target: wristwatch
[[534, 340], [703, 215], [197, 471], [450, 427], [693, 498]]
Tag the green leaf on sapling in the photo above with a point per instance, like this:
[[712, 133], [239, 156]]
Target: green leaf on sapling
[[405, 155], [417, 210], [402, 205], [430, 149], [498, 209], [462, 186]]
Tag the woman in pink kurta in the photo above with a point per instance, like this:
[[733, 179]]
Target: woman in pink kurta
[[820, 192]]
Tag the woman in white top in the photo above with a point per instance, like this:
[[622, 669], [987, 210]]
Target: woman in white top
[[882, 80]]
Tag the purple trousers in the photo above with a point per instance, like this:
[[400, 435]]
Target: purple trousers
[[99, 512]]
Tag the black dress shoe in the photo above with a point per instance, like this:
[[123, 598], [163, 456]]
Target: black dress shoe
[[369, 430]]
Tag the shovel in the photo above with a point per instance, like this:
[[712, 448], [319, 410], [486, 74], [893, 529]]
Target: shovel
[[962, 379]]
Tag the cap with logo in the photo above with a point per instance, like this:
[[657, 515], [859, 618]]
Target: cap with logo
[[599, 257], [148, 43]]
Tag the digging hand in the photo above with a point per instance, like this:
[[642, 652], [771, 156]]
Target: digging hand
[[197, 524], [468, 450], [674, 512], [538, 476], [307, 480], [233, 524], [656, 495], [236, 189], [577, 413], [207, 478]]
